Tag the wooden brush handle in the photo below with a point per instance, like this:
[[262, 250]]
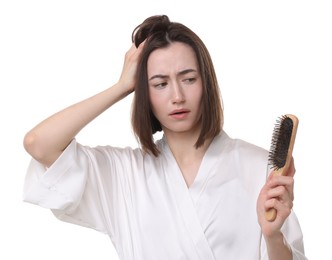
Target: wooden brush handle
[[271, 214]]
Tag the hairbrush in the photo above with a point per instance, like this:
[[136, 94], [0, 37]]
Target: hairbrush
[[280, 154]]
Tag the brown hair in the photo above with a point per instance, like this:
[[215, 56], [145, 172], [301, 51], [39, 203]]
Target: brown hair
[[159, 32]]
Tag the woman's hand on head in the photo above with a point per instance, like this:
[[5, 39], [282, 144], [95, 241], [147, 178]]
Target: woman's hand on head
[[128, 74], [278, 193]]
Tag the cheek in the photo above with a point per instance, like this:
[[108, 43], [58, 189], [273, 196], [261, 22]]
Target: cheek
[[155, 102], [197, 96]]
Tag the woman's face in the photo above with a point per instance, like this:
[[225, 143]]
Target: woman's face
[[175, 88]]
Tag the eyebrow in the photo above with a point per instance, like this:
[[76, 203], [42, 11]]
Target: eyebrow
[[183, 72]]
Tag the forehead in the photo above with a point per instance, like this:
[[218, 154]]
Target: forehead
[[173, 58]]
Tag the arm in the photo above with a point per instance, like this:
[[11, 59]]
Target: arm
[[46, 141], [276, 193]]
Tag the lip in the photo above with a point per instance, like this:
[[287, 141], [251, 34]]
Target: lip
[[179, 113]]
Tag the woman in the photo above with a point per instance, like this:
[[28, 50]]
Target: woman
[[194, 194]]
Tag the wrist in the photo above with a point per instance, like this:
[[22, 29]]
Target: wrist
[[277, 245], [274, 237], [120, 91]]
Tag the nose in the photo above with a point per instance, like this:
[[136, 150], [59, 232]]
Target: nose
[[177, 94]]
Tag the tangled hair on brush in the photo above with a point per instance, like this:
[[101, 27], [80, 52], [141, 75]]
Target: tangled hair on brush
[[159, 32]]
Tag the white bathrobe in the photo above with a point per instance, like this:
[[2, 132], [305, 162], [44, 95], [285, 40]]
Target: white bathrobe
[[143, 203]]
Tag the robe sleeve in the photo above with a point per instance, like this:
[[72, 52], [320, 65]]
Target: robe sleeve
[[59, 187], [85, 186], [293, 238]]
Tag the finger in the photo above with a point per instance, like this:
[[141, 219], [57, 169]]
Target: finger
[[279, 191], [287, 181], [136, 52], [141, 45], [283, 209], [281, 187], [131, 51], [282, 194], [291, 169]]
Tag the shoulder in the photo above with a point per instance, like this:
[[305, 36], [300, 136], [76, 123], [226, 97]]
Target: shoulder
[[249, 161], [244, 148], [245, 156], [250, 150]]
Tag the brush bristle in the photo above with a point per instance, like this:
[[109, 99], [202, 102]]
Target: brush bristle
[[280, 142]]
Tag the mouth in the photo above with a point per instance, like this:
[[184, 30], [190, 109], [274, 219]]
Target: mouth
[[179, 113]]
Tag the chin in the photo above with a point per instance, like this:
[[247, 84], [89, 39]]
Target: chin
[[180, 129]]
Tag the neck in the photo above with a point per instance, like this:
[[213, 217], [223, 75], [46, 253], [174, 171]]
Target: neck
[[187, 156], [183, 147]]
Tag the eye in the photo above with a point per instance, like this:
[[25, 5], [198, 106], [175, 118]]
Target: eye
[[189, 80], [160, 85]]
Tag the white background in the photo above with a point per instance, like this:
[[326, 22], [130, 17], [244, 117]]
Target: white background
[[271, 57]]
